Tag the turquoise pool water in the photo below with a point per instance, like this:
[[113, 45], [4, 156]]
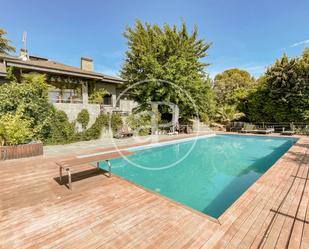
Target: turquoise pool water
[[211, 177]]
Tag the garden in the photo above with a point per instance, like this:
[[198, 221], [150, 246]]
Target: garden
[[168, 53]]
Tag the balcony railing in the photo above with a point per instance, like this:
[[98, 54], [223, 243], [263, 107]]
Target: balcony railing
[[68, 101]]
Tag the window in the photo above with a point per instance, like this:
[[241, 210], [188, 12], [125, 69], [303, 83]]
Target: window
[[66, 95], [107, 100]]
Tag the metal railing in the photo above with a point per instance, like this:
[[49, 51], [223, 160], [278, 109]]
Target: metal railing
[[301, 128]]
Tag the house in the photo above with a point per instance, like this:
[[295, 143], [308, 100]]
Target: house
[[70, 87]]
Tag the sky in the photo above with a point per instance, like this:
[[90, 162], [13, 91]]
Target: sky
[[245, 34]]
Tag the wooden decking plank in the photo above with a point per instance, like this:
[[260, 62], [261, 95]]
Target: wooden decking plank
[[102, 212], [257, 213], [287, 227], [196, 238], [246, 213], [276, 225], [67, 208], [259, 236], [140, 235], [304, 243], [88, 221], [111, 229], [281, 189]]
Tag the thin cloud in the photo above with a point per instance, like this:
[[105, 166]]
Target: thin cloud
[[299, 43]]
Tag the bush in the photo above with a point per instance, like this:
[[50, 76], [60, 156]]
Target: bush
[[94, 132], [25, 101], [103, 120], [140, 122], [83, 118], [116, 122], [14, 129], [302, 131], [30, 99], [60, 130], [97, 96]]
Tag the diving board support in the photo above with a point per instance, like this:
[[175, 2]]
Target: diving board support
[[109, 167]]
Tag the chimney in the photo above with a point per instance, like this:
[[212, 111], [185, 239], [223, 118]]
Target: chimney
[[24, 54], [86, 64]]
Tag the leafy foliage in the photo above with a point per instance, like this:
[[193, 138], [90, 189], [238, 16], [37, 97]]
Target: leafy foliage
[[29, 98], [59, 130], [233, 86], [140, 122], [169, 54], [83, 118], [115, 121], [283, 93], [228, 113], [97, 96], [5, 46], [14, 129], [103, 120]]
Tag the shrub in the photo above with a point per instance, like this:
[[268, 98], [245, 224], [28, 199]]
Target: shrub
[[94, 132], [97, 96], [83, 118], [28, 97], [25, 101], [60, 130], [14, 129], [116, 121], [140, 122], [103, 120], [303, 131]]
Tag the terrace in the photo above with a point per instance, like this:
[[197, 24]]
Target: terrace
[[101, 212]]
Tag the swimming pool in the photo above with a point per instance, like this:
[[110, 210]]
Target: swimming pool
[[207, 174]]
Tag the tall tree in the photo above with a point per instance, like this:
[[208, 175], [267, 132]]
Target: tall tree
[[283, 93], [232, 86], [5, 46], [170, 54]]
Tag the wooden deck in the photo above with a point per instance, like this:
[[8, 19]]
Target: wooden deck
[[101, 212]]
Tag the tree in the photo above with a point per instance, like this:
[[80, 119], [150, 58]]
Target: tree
[[283, 93], [233, 86], [29, 99], [169, 54], [228, 113], [5, 46]]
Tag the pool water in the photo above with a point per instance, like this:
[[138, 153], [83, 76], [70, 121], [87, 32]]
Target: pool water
[[215, 172]]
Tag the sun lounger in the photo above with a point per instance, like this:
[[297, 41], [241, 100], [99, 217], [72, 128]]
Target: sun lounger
[[288, 132], [68, 165], [264, 131], [248, 128]]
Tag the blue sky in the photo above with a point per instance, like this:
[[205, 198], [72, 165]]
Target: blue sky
[[244, 34]]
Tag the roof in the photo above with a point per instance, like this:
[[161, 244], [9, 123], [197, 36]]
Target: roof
[[50, 66]]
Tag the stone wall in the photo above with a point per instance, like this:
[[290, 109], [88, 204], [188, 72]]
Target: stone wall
[[127, 105], [72, 110]]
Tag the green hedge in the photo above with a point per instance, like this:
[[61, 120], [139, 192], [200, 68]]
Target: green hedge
[[113, 121], [83, 118]]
